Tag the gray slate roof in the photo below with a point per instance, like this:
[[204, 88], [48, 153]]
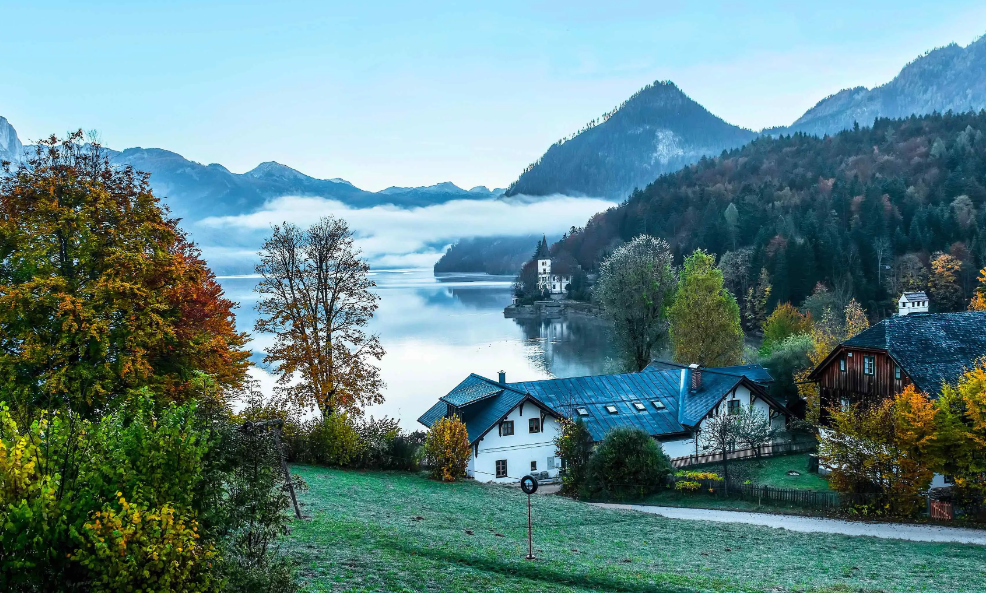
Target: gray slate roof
[[914, 296], [932, 348]]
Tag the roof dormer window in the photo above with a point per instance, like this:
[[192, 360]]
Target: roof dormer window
[[611, 409], [658, 404], [582, 411], [640, 407]]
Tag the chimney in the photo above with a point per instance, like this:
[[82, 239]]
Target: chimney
[[696, 377], [503, 377]]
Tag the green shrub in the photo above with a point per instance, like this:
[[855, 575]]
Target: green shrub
[[687, 486], [627, 464], [574, 446]]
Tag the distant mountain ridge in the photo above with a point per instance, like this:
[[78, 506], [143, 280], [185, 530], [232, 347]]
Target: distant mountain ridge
[[194, 191], [950, 78], [657, 130]]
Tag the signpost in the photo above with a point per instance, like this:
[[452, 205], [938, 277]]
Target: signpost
[[529, 485]]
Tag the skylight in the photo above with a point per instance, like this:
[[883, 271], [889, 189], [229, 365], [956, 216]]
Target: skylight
[[640, 407], [582, 411], [658, 404], [611, 409]]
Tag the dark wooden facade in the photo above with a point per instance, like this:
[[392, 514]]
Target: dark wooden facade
[[853, 385]]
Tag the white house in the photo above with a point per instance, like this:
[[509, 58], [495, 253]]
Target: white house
[[551, 283], [512, 426], [912, 302]]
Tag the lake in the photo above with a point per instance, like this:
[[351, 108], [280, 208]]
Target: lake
[[437, 330]]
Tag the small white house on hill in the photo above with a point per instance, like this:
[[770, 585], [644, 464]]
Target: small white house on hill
[[512, 426]]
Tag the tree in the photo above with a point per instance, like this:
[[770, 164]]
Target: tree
[[705, 324], [962, 435], [978, 302], [447, 449], [315, 298], [634, 287], [885, 448], [574, 446], [720, 433], [756, 302], [787, 362], [735, 266], [943, 284], [101, 294], [731, 215], [785, 321], [628, 463], [856, 320], [753, 428]]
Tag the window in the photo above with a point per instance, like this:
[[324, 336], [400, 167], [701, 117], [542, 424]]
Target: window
[[842, 364], [501, 468], [897, 372], [551, 463], [534, 466], [733, 406], [582, 411], [657, 404], [534, 425], [507, 428], [868, 365], [611, 409], [640, 407]]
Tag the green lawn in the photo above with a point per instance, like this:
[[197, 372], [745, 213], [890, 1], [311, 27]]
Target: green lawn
[[772, 471], [400, 532]]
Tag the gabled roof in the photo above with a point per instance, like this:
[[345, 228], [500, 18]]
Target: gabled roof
[[932, 348], [480, 404], [753, 372], [621, 391], [914, 296]]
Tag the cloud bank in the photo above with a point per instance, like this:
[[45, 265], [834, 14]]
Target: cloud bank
[[393, 237]]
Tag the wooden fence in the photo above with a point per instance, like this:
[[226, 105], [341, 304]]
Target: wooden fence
[[816, 499], [771, 450]]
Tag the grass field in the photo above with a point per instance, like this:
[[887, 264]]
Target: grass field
[[401, 532], [772, 471]]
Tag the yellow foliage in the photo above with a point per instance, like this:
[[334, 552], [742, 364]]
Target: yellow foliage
[[978, 302], [145, 549], [447, 448]]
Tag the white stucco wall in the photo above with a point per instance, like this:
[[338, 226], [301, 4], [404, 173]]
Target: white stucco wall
[[518, 449]]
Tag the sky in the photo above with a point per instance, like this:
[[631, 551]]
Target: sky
[[415, 93]]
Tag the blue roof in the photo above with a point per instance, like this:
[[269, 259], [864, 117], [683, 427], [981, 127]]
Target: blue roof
[[753, 372], [485, 402], [471, 390]]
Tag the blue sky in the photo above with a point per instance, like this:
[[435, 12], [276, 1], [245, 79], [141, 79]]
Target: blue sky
[[394, 93]]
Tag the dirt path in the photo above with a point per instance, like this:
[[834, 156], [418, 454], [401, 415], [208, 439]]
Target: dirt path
[[916, 533]]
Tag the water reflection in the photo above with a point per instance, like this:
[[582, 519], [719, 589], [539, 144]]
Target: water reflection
[[438, 330]]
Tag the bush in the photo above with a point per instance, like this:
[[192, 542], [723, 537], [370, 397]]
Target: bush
[[628, 463], [687, 486], [339, 441], [447, 449], [695, 475], [574, 446]]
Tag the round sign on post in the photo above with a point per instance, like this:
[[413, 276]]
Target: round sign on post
[[529, 484]]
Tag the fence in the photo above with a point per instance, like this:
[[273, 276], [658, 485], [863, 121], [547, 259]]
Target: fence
[[816, 499], [770, 450]]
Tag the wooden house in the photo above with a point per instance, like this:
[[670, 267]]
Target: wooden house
[[924, 349]]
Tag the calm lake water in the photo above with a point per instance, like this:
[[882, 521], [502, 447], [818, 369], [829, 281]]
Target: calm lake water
[[437, 330]]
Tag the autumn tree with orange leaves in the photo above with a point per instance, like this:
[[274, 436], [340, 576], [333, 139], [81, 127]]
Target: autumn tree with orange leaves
[[101, 293], [315, 298]]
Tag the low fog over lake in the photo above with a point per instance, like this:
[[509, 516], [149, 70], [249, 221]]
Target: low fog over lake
[[437, 330]]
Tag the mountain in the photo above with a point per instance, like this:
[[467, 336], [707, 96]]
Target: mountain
[[10, 144], [950, 78], [863, 211], [193, 191], [492, 255], [657, 130]]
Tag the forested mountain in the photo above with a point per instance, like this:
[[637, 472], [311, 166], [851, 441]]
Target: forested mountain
[[950, 78], [657, 130], [194, 191], [492, 255], [862, 211]]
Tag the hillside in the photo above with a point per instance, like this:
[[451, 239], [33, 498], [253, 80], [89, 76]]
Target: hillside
[[950, 78], [194, 191], [860, 211], [657, 130], [490, 255]]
